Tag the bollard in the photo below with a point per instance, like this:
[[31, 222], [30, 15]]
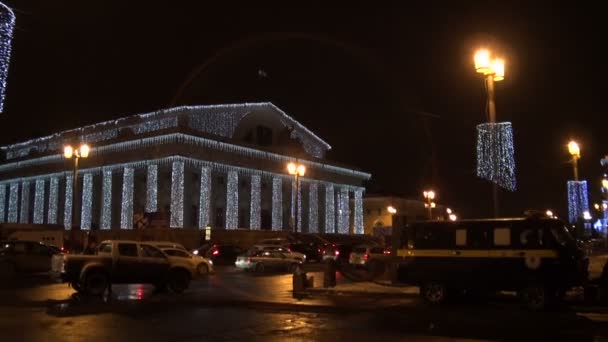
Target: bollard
[[329, 274], [299, 281]]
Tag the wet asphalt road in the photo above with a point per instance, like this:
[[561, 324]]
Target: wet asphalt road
[[231, 305]]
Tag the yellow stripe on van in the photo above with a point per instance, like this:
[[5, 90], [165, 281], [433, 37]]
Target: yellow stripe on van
[[477, 253]]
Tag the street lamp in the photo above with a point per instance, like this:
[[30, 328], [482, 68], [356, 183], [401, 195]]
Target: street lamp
[[297, 170], [391, 210], [453, 217], [549, 213], [429, 196], [76, 154], [493, 71], [575, 152]]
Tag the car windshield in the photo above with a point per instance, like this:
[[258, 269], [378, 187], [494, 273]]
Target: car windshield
[[359, 250]]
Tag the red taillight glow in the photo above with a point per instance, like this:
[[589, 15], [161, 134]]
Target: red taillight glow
[[215, 252], [249, 260], [387, 251], [365, 256], [337, 253]]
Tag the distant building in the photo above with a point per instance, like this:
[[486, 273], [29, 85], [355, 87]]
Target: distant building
[[378, 221], [222, 166]]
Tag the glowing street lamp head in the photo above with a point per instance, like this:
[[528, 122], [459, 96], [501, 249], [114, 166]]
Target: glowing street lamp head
[[574, 149], [453, 217], [84, 150], [605, 184], [301, 169], [68, 151], [391, 209], [448, 211], [586, 215], [498, 66], [482, 61], [291, 168], [549, 213], [431, 194]]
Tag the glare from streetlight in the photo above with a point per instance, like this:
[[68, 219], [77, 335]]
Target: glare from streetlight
[[574, 149], [291, 168], [498, 65], [596, 206], [449, 211], [482, 61], [301, 170], [84, 150], [68, 151], [391, 209], [429, 194], [586, 215], [605, 183], [604, 206], [549, 213], [433, 205], [453, 217]]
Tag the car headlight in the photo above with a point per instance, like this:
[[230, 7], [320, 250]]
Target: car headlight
[[210, 262], [195, 252]]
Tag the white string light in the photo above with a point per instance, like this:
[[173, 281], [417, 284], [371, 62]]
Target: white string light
[[177, 195], [330, 213], [39, 202], [495, 154], [359, 228], [255, 203], [86, 208], [313, 208], [232, 200], [13, 204], [152, 188], [25, 202], [7, 24], [67, 215], [126, 211], [205, 197], [53, 200], [2, 203], [106, 205], [277, 203]]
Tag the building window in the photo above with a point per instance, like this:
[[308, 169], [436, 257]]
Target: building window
[[220, 180], [263, 136]]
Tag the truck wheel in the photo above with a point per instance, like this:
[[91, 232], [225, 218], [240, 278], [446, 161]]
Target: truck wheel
[[7, 270], [96, 283], [534, 297], [178, 281], [434, 292]]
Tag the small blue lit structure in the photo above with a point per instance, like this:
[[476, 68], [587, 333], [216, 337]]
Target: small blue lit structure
[[495, 154], [578, 201], [7, 23]]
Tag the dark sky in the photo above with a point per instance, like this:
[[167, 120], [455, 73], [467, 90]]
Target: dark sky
[[391, 87]]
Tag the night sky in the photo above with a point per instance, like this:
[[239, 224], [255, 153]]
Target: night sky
[[392, 87]]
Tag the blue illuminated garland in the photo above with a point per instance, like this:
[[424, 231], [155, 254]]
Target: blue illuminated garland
[[495, 154], [7, 24], [578, 201]]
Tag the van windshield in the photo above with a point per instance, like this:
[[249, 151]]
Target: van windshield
[[562, 235]]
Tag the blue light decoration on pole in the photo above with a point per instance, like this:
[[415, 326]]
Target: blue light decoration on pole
[[495, 152], [578, 200], [7, 23]]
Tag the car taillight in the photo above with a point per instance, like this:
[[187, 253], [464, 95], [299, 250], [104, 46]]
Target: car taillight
[[215, 252], [337, 252], [387, 251], [365, 256], [289, 250], [249, 260]]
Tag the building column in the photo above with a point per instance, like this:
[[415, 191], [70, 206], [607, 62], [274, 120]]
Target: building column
[[277, 203], [126, 210], [67, 215], [25, 202], [313, 208], [177, 195], [232, 200], [86, 208], [330, 210], [2, 202], [204, 203], [106, 200], [53, 200], [255, 203], [359, 229], [39, 202], [152, 188], [343, 211], [13, 203]]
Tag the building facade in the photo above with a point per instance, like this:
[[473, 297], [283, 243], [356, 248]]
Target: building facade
[[222, 166]]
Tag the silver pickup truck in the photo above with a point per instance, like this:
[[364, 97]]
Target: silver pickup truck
[[121, 262]]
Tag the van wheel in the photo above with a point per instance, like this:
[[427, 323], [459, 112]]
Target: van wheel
[[96, 283], [535, 297], [434, 292], [178, 281]]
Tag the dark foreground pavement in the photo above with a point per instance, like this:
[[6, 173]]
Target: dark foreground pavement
[[235, 306]]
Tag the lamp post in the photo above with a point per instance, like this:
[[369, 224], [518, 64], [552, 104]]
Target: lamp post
[[575, 152], [75, 154], [429, 204], [392, 211], [297, 170], [493, 71]]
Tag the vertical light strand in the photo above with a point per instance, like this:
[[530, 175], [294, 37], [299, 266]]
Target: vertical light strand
[[292, 202], [86, 208], [53, 200], [343, 211], [2, 202], [277, 203], [330, 215], [177, 195], [13, 203], [25, 202], [313, 208], [39, 202], [67, 215], [359, 229], [204, 198], [578, 200], [232, 200], [255, 203], [299, 204], [152, 188], [106, 200], [7, 23], [495, 154], [126, 211]]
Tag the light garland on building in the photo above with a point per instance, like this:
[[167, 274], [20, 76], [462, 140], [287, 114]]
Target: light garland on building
[[299, 203], [67, 215], [343, 211], [292, 203], [330, 209], [277, 203], [495, 154], [53, 200], [39, 202], [25, 202], [578, 200], [152, 188], [232, 200], [106, 205], [177, 195], [205, 198], [313, 208], [359, 228], [126, 210], [2, 201], [13, 204], [255, 203], [86, 209], [7, 24]]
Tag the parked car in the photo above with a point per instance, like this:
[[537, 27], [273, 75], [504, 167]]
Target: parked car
[[285, 250], [223, 254], [167, 244], [198, 265], [363, 255], [263, 260], [20, 257], [274, 242], [121, 262]]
